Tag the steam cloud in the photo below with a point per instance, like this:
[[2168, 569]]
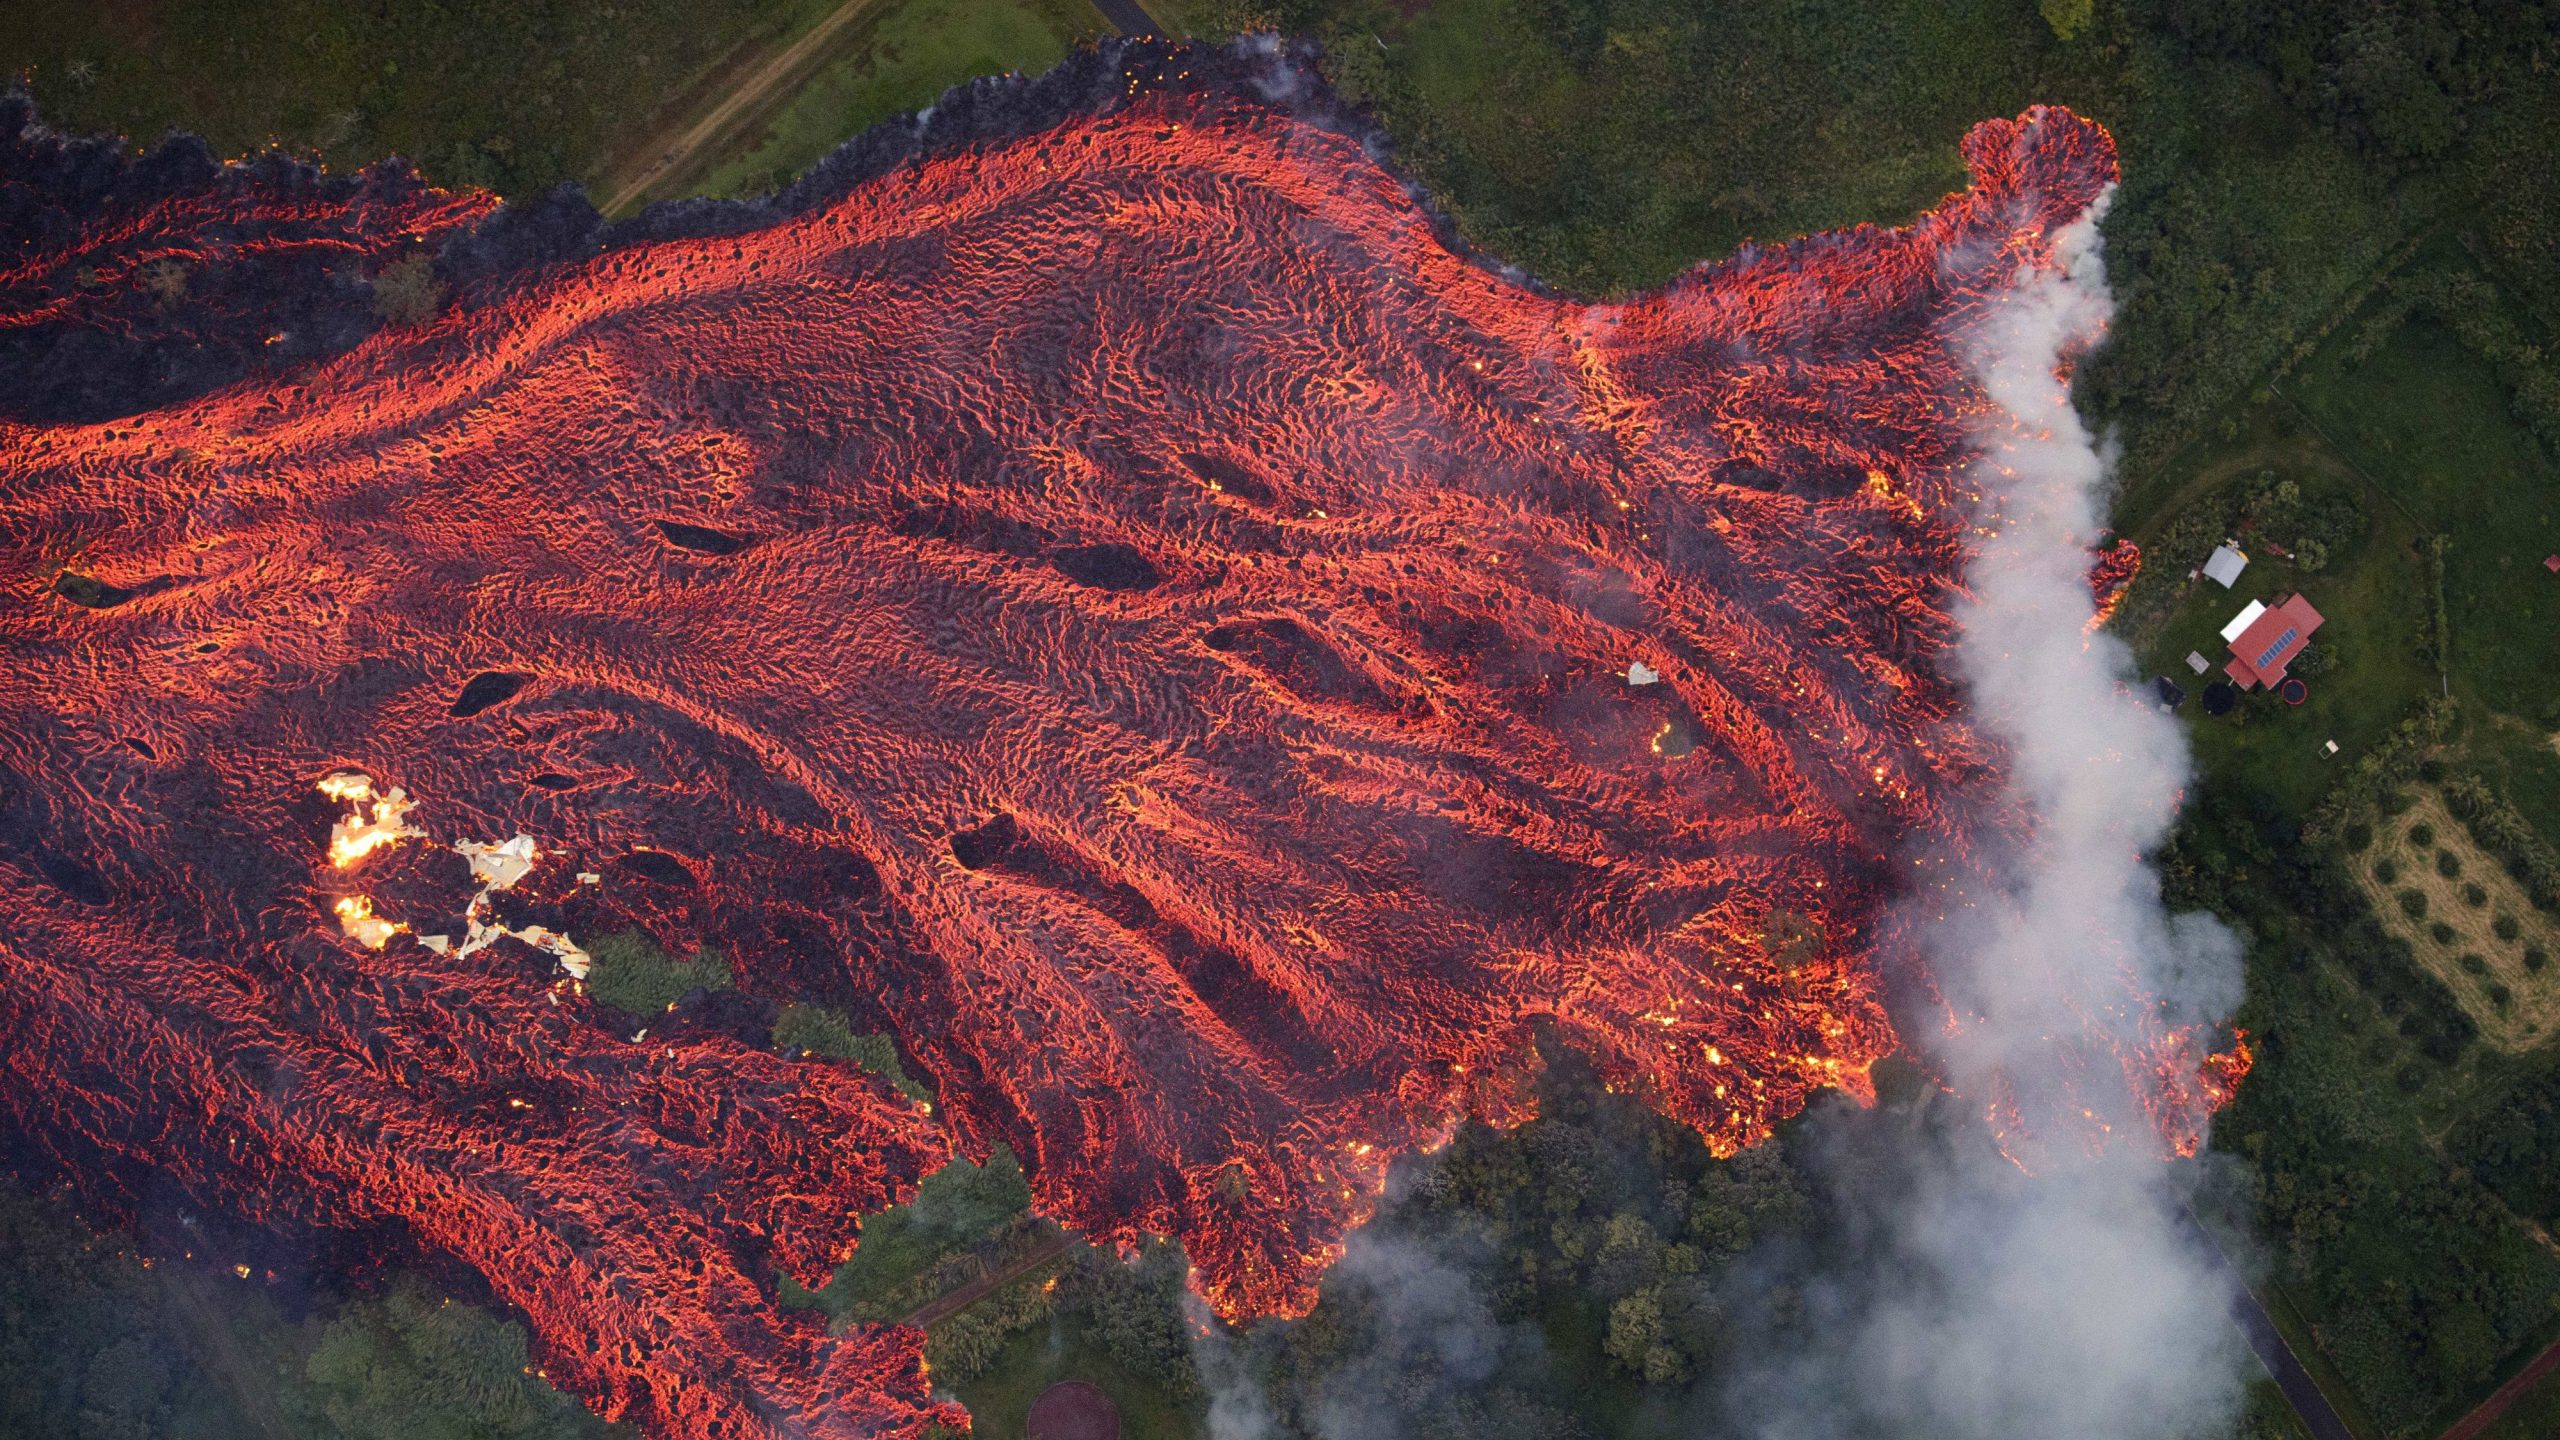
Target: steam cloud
[[2011, 1280], [1992, 1302]]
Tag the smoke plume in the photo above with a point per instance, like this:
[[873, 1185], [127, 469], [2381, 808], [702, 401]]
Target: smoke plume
[[2016, 1279]]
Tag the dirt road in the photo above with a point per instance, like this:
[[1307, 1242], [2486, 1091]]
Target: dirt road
[[671, 147], [952, 1302], [2488, 1411]]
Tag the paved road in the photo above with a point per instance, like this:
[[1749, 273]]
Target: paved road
[[1129, 18], [2301, 1392]]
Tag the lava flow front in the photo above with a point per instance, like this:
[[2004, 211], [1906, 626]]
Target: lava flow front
[[1109, 597]]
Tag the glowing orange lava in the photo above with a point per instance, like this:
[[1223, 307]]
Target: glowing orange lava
[[1117, 603]]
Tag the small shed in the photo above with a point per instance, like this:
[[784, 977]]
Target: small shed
[[2171, 693], [2247, 617], [2551, 563], [2223, 567], [2197, 662]]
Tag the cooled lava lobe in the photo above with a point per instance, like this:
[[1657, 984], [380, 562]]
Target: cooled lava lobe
[[1123, 604]]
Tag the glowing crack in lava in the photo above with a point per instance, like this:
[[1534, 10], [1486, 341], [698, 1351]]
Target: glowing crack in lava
[[1110, 597]]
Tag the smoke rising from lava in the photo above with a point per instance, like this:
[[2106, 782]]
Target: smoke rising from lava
[[2018, 1282]]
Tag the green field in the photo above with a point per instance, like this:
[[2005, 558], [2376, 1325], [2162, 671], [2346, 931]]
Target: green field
[[2363, 594], [1037, 1358], [482, 92], [901, 56]]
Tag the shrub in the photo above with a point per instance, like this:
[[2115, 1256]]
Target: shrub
[[2501, 996], [2473, 965], [2535, 957], [2358, 836], [2473, 895], [2412, 1078], [2398, 802], [2442, 932], [407, 292], [2387, 870], [2448, 864], [2506, 834], [2504, 927], [2422, 835], [634, 976], [2431, 770], [2412, 904]]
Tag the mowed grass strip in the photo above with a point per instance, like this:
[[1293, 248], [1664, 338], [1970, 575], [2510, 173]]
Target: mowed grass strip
[[900, 56]]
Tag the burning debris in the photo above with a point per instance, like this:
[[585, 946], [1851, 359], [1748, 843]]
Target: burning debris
[[1180, 668]]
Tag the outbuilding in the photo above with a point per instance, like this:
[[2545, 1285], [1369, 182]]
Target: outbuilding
[[2223, 567]]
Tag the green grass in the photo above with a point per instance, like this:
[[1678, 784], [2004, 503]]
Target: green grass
[[804, 1029], [2429, 421], [2534, 1417], [640, 980], [901, 57], [2365, 595], [1585, 146], [1000, 1397], [955, 1208], [515, 96]]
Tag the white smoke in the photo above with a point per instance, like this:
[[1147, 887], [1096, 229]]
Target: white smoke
[[1990, 1302], [2045, 1290]]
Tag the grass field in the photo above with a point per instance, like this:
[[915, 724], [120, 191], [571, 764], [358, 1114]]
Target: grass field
[[514, 96], [1046, 1354], [2429, 422], [902, 55], [2364, 594]]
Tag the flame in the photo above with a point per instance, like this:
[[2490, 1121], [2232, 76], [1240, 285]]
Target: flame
[[372, 821], [357, 920]]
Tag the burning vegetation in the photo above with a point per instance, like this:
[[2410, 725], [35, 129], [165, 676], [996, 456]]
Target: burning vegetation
[[1114, 598]]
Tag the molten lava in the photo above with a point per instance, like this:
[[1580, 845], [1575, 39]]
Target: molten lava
[[1115, 600]]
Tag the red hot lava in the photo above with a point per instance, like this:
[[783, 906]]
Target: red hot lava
[[1120, 604]]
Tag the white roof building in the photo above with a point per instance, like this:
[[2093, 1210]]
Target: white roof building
[[2244, 620], [2197, 662], [2224, 566]]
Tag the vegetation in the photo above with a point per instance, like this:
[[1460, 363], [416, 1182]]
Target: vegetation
[[407, 292], [898, 57], [806, 1030], [956, 1209], [631, 974], [410, 1364], [97, 1343], [515, 97]]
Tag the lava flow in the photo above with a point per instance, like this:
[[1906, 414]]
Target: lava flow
[[1110, 596]]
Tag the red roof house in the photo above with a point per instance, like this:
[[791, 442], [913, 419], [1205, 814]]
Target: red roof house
[[2260, 653]]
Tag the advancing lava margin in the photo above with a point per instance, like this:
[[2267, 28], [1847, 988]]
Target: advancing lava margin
[[1104, 590]]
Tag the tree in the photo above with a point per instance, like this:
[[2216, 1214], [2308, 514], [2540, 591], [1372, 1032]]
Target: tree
[[1635, 1329], [166, 282], [2067, 17], [411, 1365], [1630, 1257], [407, 292]]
